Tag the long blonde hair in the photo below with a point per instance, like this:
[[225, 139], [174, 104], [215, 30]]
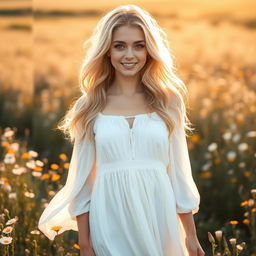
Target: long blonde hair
[[164, 91]]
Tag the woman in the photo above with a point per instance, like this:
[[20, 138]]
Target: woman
[[129, 189]]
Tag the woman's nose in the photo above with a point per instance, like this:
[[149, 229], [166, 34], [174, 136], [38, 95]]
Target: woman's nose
[[129, 52]]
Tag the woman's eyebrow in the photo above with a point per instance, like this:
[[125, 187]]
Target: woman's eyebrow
[[140, 41]]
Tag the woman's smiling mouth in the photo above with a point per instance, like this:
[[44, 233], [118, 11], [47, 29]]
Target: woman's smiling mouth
[[129, 65]]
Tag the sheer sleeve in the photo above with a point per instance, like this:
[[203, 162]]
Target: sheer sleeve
[[74, 198], [180, 174]]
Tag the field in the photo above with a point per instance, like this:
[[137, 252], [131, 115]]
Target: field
[[214, 50]]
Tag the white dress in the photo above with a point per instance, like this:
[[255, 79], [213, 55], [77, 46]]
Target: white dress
[[133, 183]]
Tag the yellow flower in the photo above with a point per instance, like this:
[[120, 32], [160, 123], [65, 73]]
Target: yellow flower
[[55, 177], [55, 166], [56, 228], [76, 246]]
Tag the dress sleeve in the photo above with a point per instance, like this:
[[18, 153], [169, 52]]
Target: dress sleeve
[[74, 198], [179, 171]]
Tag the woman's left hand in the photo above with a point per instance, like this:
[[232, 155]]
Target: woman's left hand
[[194, 247]]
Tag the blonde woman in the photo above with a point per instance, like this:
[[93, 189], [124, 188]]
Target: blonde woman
[[129, 189]]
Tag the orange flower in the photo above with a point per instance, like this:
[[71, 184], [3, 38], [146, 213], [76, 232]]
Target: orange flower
[[244, 203], [254, 209], [45, 176], [66, 165], [246, 221], [217, 160], [11, 151], [76, 246], [55, 177], [5, 144], [247, 174], [233, 222], [206, 175], [25, 155], [233, 180], [195, 138], [38, 169], [55, 166], [63, 157]]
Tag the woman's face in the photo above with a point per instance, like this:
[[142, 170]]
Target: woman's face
[[128, 52]]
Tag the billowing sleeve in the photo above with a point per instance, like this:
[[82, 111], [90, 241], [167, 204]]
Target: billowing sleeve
[[179, 171], [74, 197]]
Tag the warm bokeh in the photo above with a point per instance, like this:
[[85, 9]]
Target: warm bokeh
[[213, 43]]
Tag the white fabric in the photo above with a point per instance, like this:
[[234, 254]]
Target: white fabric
[[139, 182]]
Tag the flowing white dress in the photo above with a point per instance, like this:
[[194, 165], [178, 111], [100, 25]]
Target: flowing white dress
[[133, 183]]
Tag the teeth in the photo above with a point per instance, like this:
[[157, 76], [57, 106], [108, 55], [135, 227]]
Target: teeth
[[129, 65]]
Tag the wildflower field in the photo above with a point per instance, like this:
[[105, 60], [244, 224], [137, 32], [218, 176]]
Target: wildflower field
[[40, 59]]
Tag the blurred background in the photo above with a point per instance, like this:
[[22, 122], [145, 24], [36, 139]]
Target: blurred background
[[213, 43]]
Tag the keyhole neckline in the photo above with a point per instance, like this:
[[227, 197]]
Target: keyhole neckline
[[123, 117], [127, 116]]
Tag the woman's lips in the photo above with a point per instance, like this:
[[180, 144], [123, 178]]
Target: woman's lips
[[129, 65]]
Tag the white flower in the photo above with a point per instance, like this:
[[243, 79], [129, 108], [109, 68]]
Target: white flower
[[12, 221], [33, 153], [236, 137], [251, 134], [12, 195], [31, 164], [35, 232], [5, 240], [232, 241], [39, 163], [218, 234], [206, 166], [213, 146], [19, 170], [230, 172], [242, 164], [37, 174], [15, 146], [227, 136], [239, 247], [9, 158], [28, 194], [7, 230], [243, 146], [231, 155], [8, 133]]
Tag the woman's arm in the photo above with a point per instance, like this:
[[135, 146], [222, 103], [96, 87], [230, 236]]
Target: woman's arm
[[188, 223], [83, 230], [192, 243]]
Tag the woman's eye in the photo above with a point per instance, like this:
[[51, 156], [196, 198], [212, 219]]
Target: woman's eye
[[118, 46], [140, 46]]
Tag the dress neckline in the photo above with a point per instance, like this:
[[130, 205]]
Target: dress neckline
[[137, 115]]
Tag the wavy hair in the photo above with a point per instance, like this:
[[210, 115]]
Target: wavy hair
[[165, 93]]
